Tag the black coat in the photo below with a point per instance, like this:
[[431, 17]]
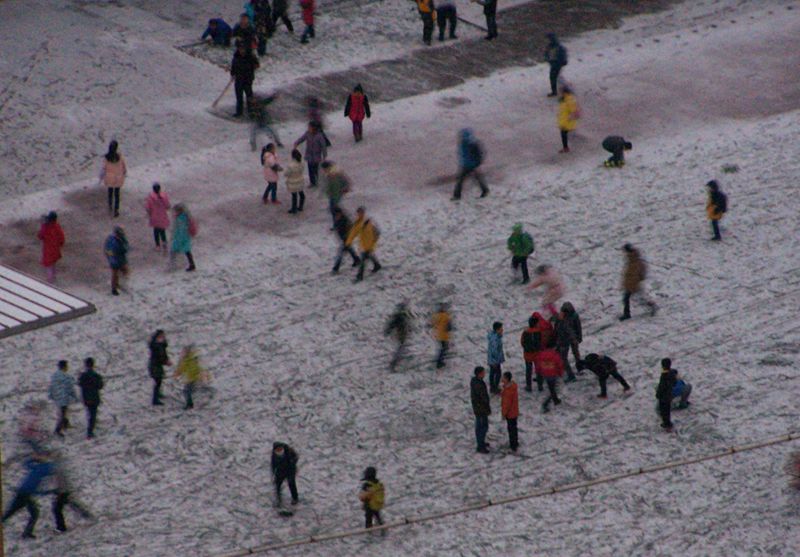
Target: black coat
[[91, 383], [286, 465], [602, 366], [665, 385], [279, 8], [158, 359], [243, 66], [614, 144], [342, 226], [480, 397], [489, 7], [556, 54]]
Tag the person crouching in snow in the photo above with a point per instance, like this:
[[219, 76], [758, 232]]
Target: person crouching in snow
[[681, 390], [183, 229], [116, 249], [52, 236], [269, 160], [157, 207], [192, 373], [296, 182], [372, 496], [356, 108], [616, 145], [554, 287], [603, 367], [368, 235], [568, 114], [716, 207]]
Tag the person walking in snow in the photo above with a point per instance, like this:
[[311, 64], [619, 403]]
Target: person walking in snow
[[158, 359], [284, 469], [554, 286], [633, 275], [566, 338], [62, 393], [243, 71], [470, 154], [520, 244], [342, 226], [535, 338], [495, 356], [716, 207], [573, 321], [52, 237], [568, 115], [116, 249], [269, 160], [551, 368], [91, 383], [262, 21], [399, 325], [509, 401], [316, 150], [183, 230], [280, 12], [603, 367], [556, 55], [307, 8], [157, 207], [39, 469], [191, 372], [112, 176], [616, 145], [262, 122], [441, 327], [337, 184], [64, 493], [372, 497], [427, 12], [490, 12], [447, 14], [666, 384], [481, 407], [296, 182], [368, 235], [356, 108]]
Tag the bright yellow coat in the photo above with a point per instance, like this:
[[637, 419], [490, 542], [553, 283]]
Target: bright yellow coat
[[189, 368], [440, 322], [364, 230], [568, 113]]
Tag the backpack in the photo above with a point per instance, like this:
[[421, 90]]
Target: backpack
[[529, 342], [476, 153], [376, 497], [192, 227]]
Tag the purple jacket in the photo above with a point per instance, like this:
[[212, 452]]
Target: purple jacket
[[316, 150]]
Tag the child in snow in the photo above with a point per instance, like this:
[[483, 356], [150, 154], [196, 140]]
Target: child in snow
[[568, 114], [307, 8], [616, 145], [284, 469], [52, 237], [554, 286], [603, 367], [716, 207], [337, 184], [39, 468], [372, 496], [193, 375], [269, 160], [356, 108], [535, 338], [91, 383], [399, 325], [495, 356], [112, 175], [510, 409], [342, 226], [441, 325], [116, 249], [428, 15], [157, 207], [158, 359], [367, 234], [520, 244], [633, 275], [62, 393], [666, 385], [470, 156], [551, 368], [296, 182], [316, 149], [681, 391], [183, 229]]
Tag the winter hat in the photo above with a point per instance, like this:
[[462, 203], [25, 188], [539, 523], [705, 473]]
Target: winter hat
[[517, 228], [370, 474], [713, 184], [628, 248], [52, 216]]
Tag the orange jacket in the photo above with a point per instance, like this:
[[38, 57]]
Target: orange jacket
[[509, 401]]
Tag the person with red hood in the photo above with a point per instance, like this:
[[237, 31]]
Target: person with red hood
[[356, 108], [307, 8], [534, 339], [52, 236], [551, 368], [510, 408]]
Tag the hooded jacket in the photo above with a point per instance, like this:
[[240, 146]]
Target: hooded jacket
[[52, 236], [574, 320], [295, 179], [157, 207], [520, 243], [555, 54], [116, 248], [367, 235]]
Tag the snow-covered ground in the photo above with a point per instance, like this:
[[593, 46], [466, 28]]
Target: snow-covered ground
[[298, 355]]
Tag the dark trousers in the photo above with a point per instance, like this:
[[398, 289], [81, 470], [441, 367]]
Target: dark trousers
[[298, 195], [443, 346], [517, 262], [332, 206], [444, 16], [189, 258], [307, 34], [188, 391], [399, 353], [115, 275], [565, 139], [313, 173], [495, 372], [664, 410], [113, 200], [475, 173], [242, 89], [626, 302], [491, 24], [358, 129], [370, 515], [427, 27], [342, 250], [364, 256], [261, 47], [61, 501], [63, 422], [272, 190], [157, 390], [563, 351], [285, 19], [555, 69], [292, 487], [603, 379], [617, 156], [91, 419], [552, 392], [20, 501], [160, 236], [511, 423], [715, 229], [481, 429], [529, 377]]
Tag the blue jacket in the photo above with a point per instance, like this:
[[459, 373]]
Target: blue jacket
[[496, 355], [37, 472], [116, 251], [250, 10], [181, 239], [221, 35], [679, 387], [469, 151], [62, 389]]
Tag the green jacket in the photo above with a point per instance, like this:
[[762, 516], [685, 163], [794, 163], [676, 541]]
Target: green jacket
[[337, 185], [520, 244]]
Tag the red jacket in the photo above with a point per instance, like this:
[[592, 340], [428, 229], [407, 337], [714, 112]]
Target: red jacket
[[307, 7], [509, 401], [545, 328], [550, 364], [52, 237], [358, 107]]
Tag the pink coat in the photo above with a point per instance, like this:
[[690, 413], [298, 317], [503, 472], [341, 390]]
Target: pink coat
[[52, 237], [157, 207], [270, 160], [553, 284], [113, 173]]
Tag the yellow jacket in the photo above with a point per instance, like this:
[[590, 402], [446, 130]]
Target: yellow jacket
[[189, 368], [568, 113], [426, 7], [367, 235], [440, 322], [712, 210]]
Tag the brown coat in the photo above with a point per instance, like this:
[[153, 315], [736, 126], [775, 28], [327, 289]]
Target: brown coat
[[634, 273]]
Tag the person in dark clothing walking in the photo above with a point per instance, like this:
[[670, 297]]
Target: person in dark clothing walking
[[481, 407], [341, 224], [446, 14], [666, 384], [510, 409], [556, 55], [427, 12], [38, 470], [116, 249], [400, 326], [470, 154], [603, 367], [496, 356], [566, 339], [633, 275], [90, 383], [520, 244], [280, 11], [243, 71], [716, 207], [490, 11], [158, 359], [616, 145], [284, 468], [372, 496]]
